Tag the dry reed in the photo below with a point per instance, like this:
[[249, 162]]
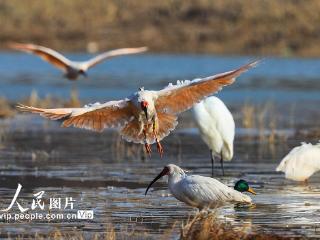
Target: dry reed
[[205, 226], [268, 27]]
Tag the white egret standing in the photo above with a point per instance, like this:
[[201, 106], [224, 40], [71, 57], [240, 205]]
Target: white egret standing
[[201, 192], [301, 162], [72, 69], [216, 127], [145, 117]]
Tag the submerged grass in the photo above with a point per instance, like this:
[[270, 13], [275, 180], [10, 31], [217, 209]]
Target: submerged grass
[[8, 109], [205, 226], [127, 150], [52, 102], [108, 232], [262, 117]]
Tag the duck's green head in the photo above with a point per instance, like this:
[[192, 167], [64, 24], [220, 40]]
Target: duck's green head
[[243, 186]]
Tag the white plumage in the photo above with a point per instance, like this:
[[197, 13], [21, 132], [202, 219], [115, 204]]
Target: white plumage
[[216, 127], [72, 69], [301, 162], [198, 191], [147, 116]]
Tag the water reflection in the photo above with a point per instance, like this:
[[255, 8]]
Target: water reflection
[[81, 164], [110, 177]]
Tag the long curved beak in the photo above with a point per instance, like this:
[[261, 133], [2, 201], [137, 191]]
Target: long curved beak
[[163, 172], [250, 190], [146, 112]]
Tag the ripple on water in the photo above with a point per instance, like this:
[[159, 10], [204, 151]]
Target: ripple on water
[[114, 188]]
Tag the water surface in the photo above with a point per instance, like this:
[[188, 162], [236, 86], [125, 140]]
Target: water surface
[[109, 177]]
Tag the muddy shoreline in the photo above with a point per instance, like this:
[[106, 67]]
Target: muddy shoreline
[[282, 28]]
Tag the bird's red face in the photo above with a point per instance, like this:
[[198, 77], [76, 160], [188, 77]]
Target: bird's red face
[[164, 172], [144, 107]]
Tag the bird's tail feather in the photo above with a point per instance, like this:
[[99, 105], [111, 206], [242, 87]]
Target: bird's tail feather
[[166, 123]]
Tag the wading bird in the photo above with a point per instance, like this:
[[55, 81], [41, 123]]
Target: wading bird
[[72, 69], [216, 127], [146, 117], [202, 192], [301, 162]]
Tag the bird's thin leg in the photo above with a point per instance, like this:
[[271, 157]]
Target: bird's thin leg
[[146, 145], [159, 146], [148, 149], [212, 163], [221, 161]]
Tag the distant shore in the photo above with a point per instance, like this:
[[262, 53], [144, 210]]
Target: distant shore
[[282, 28]]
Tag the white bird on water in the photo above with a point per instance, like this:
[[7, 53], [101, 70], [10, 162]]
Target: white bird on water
[[146, 117], [72, 69], [216, 127], [202, 192], [301, 162]]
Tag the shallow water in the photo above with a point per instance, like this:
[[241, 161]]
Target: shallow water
[[109, 177], [86, 166], [287, 87], [279, 79]]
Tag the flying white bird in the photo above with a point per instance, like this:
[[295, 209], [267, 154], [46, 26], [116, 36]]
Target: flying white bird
[[146, 117], [202, 192], [72, 69], [216, 127], [301, 162]]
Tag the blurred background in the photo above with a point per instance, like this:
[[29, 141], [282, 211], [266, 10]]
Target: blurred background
[[270, 27], [186, 39], [275, 106]]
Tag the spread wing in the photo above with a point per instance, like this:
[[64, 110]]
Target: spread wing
[[93, 117], [113, 53], [46, 54], [175, 99]]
